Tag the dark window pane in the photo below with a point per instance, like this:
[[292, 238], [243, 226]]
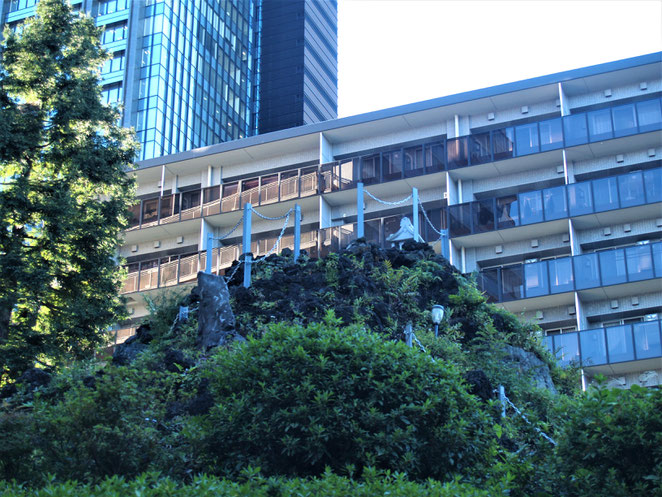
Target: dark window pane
[[483, 215], [631, 188], [502, 141], [639, 262], [348, 174], [575, 130], [250, 191], [289, 184], [594, 347], [647, 339], [625, 121], [170, 209], [134, 215], [551, 134], [653, 184], [535, 279], [587, 274], [391, 165], [605, 193], [657, 258], [561, 275], [370, 169], [481, 150], [612, 267], [230, 200], [413, 161], [457, 152], [527, 139], [308, 181], [460, 219], [580, 199], [512, 287], [391, 225], [150, 212], [530, 207], [556, 205], [489, 283], [599, 125], [650, 115], [567, 348], [371, 231], [619, 343], [507, 212], [434, 157], [329, 180], [269, 189], [549, 343], [191, 204]]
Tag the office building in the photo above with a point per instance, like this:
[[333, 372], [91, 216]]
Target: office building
[[193, 74], [550, 188]]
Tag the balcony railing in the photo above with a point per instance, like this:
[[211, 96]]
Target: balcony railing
[[568, 274], [613, 344], [559, 202]]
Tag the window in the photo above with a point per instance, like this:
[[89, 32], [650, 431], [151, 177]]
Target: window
[[114, 32], [114, 64], [112, 6]]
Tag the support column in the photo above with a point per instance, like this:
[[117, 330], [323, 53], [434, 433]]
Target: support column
[[297, 232], [246, 239], [414, 201], [359, 211]]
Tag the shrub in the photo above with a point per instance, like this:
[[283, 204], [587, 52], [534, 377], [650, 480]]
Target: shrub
[[302, 399]]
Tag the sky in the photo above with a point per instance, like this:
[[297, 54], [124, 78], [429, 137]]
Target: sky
[[394, 52]]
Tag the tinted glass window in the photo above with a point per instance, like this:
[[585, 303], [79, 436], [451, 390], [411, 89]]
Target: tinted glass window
[[507, 212], [612, 267], [530, 207], [460, 219], [535, 279], [458, 154], [512, 287], [481, 150], [650, 115], [639, 262], [631, 188], [561, 275], [551, 134], [599, 125], [575, 130], [653, 183], [647, 339], [567, 346], [619, 343], [580, 199], [587, 273], [503, 143], [434, 157], [594, 347], [605, 193], [625, 121], [527, 139], [483, 215], [555, 203]]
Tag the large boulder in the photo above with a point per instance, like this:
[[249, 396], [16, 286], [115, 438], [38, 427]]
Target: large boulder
[[530, 363], [216, 323], [125, 353]]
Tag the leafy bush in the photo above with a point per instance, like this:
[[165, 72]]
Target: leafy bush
[[302, 399]]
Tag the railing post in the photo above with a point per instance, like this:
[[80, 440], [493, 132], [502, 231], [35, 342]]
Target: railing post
[[409, 335], [297, 231], [359, 211], [445, 249], [414, 220], [247, 245], [502, 399], [210, 244]]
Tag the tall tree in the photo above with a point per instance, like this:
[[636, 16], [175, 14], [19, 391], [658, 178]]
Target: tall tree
[[64, 192]]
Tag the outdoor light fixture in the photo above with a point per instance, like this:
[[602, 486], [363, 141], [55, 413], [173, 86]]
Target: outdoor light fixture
[[437, 315]]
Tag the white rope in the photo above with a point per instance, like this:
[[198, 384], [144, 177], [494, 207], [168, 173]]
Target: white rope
[[425, 215], [287, 214], [236, 268], [523, 416], [280, 237], [385, 202], [420, 345], [241, 219]]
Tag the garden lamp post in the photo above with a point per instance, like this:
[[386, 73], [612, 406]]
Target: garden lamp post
[[437, 314]]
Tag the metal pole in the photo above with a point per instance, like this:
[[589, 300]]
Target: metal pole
[[436, 330], [409, 335], [247, 245], [414, 220], [445, 251], [210, 244], [359, 211], [297, 231], [502, 399]]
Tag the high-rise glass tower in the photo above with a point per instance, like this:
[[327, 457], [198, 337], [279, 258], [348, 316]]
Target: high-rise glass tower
[[187, 73]]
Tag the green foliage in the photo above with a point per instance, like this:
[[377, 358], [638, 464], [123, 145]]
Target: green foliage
[[63, 202], [299, 400], [610, 443], [254, 485]]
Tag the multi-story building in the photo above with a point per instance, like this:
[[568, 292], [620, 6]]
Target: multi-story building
[[550, 188], [192, 74]]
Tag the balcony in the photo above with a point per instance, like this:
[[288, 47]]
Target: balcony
[[569, 274], [599, 348]]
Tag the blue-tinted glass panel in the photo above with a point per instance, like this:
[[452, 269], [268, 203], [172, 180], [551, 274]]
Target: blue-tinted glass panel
[[348, 174], [530, 207], [555, 203], [371, 231], [483, 215], [536, 282], [653, 185], [526, 138], [391, 165], [413, 161], [507, 212], [650, 115], [481, 150], [434, 157], [370, 169], [489, 283], [594, 347], [551, 134], [502, 142], [619, 343], [458, 152], [549, 343], [647, 339], [567, 347], [625, 120], [599, 125], [460, 219], [512, 287], [639, 262], [612, 267], [575, 130], [657, 258], [561, 275], [587, 271], [580, 199], [631, 188], [605, 193]]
